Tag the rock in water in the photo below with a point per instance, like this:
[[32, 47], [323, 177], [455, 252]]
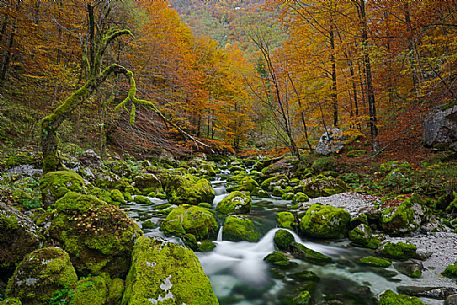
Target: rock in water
[[164, 272], [41, 273], [327, 222], [440, 128], [331, 142]]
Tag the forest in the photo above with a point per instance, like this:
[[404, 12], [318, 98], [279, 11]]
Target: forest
[[233, 152]]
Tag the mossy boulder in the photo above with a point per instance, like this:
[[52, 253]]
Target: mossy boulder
[[19, 236], [277, 258], [391, 298], [235, 203], [55, 185], [451, 271], [98, 236], [412, 269], [243, 184], [286, 220], [400, 250], [166, 273], [11, 301], [405, 218], [362, 236], [187, 219], [280, 181], [299, 251], [117, 196], [283, 240], [322, 186], [326, 222], [140, 199], [374, 261], [238, 228], [189, 189], [41, 273], [92, 290], [300, 198], [303, 298], [147, 181]]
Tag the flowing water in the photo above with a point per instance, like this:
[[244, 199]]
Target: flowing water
[[240, 276]]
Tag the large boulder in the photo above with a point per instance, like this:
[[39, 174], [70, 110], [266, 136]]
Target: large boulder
[[98, 236], [235, 203], [322, 186], [19, 236], [391, 298], [55, 185], [237, 228], [187, 219], [327, 222], [189, 189], [331, 141], [41, 273], [362, 236], [400, 250], [440, 128], [166, 273]]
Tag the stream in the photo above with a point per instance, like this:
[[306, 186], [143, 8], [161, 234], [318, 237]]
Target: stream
[[239, 275]]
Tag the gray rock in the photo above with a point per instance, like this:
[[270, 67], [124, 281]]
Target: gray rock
[[331, 142], [451, 300], [438, 293], [440, 128], [90, 158], [412, 269]]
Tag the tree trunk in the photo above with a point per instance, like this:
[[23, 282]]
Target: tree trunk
[[334, 94], [411, 49]]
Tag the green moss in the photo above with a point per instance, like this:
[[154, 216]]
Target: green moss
[[149, 224], [91, 290], [101, 194], [41, 273], [327, 222], [324, 164], [287, 196], [11, 301], [391, 298], [206, 246], [375, 261], [189, 189], [55, 185], [362, 236], [98, 236], [308, 255], [277, 258], [299, 198], [243, 183], [235, 203], [142, 200], [303, 298], [186, 219], [322, 186], [162, 270], [451, 271], [270, 183], [237, 228], [117, 196], [400, 220], [283, 240], [285, 220], [8, 222], [400, 250], [115, 291]]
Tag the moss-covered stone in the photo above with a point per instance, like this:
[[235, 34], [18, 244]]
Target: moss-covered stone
[[189, 189], [117, 196], [244, 184], [206, 246], [286, 220], [283, 240], [91, 290], [19, 236], [298, 250], [391, 298], [277, 258], [101, 194], [322, 186], [400, 250], [451, 271], [140, 199], [362, 236], [374, 261], [235, 203], [280, 181], [402, 219], [115, 291], [287, 196], [55, 185], [187, 219], [238, 228], [300, 198], [327, 222], [98, 236], [412, 269], [166, 273], [41, 273], [303, 298]]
